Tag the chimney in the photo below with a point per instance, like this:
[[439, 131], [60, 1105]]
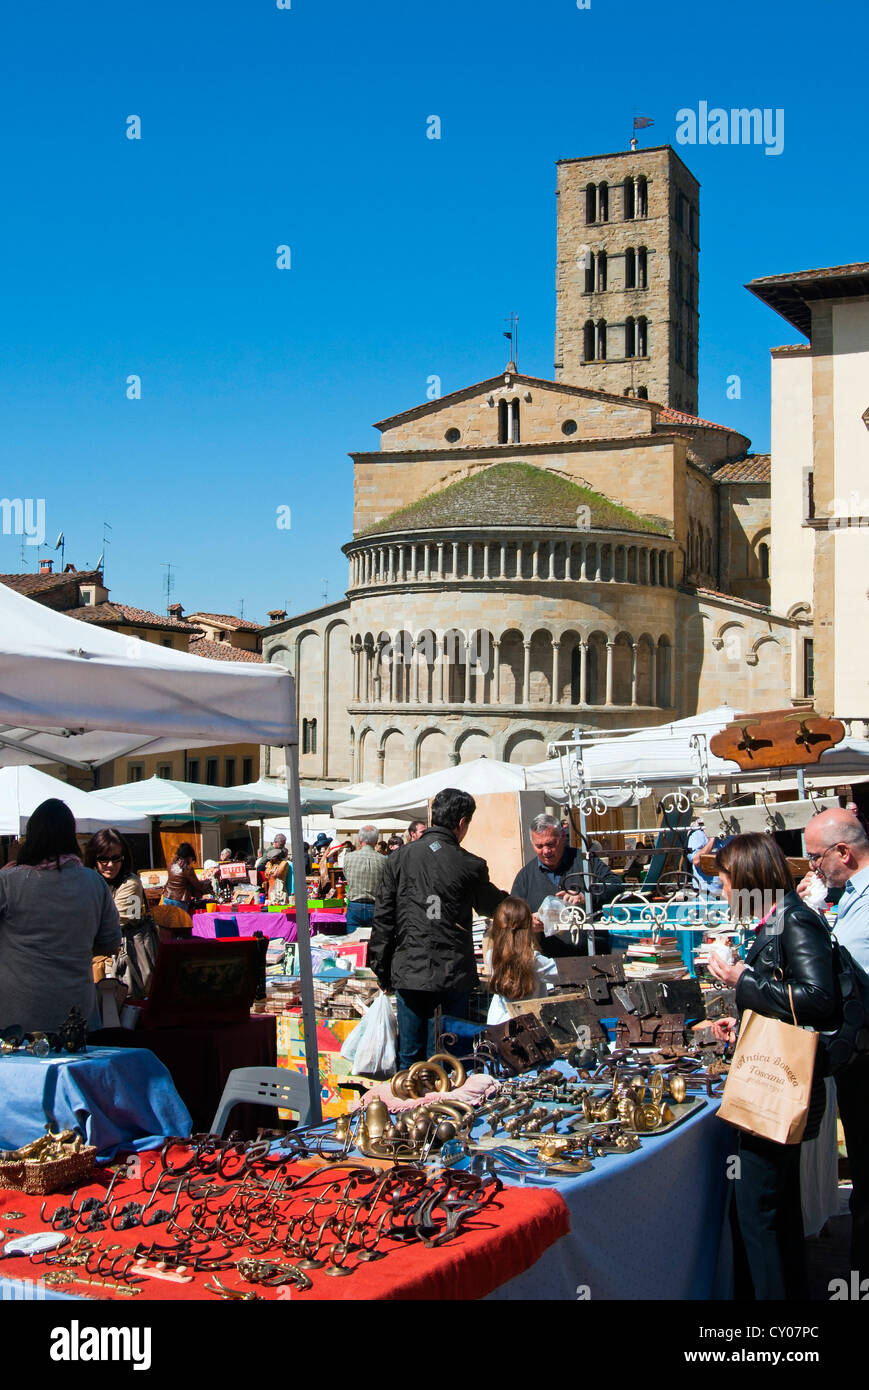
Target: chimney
[[46, 567], [175, 610], [277, 615]]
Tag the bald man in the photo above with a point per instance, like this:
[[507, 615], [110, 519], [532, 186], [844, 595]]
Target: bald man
[[838, 851]]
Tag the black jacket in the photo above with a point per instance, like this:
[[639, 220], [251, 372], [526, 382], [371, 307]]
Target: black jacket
[[794, 949], [421, 936]]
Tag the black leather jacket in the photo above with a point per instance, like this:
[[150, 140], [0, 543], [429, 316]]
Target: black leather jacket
[[794, 949], [421, 937]]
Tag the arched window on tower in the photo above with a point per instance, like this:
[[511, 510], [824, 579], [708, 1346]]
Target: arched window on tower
[[642, 393], [601, 271], [603, 202], [513, 414], [642, 337], [502, 423], [508, 422], [630, 269], [628, 198], [642, 196], [590, 203], [763, 557], [601, 339], [642, 269], [630, 338], [589, 273], [588, 341]]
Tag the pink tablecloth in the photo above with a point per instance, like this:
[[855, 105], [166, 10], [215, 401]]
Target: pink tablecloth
[[269, 923]]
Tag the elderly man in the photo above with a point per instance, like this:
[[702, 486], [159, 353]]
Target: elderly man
[[838, 851], [422, 945], [279, 843], [363, 870], [556, 870]]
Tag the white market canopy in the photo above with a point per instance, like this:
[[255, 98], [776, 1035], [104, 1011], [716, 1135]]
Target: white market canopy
[[410, 799], [74, 693], [22, 789], [166, 800]]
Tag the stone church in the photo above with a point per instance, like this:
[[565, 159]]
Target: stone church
[[529, 555]]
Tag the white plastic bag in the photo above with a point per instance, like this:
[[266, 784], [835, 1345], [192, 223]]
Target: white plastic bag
[[371, 1047], [550, 913]]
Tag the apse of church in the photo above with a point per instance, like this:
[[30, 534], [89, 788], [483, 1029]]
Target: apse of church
[[529, 555]]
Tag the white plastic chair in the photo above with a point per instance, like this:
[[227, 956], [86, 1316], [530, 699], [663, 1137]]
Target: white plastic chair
[[263, 1086]]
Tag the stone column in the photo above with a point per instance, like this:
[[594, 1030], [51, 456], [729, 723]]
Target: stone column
[[609, 672], [413, 562], [467, 672], [583, 673], [653, 673], [426, 562], [401, 558], [634, 652], [503, 574], [526, 675], [470, 559], [496, 672], [381, 760], [582, 562], [455, 559], [442, 669], [440, 573], [535, 555], [416, 656], [485, 559], [555, 697], [552, 559]]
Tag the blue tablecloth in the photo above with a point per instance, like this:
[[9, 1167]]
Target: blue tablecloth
[[120, 1098], [649, 1224]]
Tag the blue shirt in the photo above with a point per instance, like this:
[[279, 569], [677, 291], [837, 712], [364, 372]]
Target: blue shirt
[[852, 919]]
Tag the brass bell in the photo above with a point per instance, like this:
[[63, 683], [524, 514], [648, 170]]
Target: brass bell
[[678, 1088], [377, 1118]]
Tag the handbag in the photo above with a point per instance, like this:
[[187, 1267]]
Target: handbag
[[851, 1038], [769, 1085]]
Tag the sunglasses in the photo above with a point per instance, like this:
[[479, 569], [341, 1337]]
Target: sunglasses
[[115, 859]]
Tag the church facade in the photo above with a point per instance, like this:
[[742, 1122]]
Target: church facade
[[529, 555]]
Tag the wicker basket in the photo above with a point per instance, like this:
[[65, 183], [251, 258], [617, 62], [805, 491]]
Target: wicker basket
[[40, 1179]]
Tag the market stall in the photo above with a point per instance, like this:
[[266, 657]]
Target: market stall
[[82, 697]]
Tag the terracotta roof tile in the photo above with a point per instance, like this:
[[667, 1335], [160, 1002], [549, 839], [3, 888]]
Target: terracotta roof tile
[[105, 614], [754, 469], [40, 583], [226, 620], [220, 651], [681, 417]]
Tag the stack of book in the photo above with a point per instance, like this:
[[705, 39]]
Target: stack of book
[[650, 959]]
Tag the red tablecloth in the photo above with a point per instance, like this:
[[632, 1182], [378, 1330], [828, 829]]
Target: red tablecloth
[[503, 1240]]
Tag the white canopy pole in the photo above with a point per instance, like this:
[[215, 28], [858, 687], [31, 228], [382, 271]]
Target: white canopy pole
[[303, 930]]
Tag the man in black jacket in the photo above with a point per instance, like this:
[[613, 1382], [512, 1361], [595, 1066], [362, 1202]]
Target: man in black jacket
[[421, 943]]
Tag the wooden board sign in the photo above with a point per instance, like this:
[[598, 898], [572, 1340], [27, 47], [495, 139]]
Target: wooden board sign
[[777, 738]]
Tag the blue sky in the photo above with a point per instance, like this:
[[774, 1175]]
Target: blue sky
[[307, 127]]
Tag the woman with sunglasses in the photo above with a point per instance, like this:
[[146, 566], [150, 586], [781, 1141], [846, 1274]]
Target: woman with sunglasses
[[109, 853]]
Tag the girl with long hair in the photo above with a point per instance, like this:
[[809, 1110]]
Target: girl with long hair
[[518, 969]]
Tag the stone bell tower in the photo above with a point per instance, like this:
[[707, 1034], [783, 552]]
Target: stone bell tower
[[627, 316]]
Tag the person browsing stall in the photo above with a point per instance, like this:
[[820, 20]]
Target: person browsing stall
[[183, 889], [787, 974], [422, 942], [109, 853], [838, 853], [55, 916], [556, 871], [518, 969], [363, 870]]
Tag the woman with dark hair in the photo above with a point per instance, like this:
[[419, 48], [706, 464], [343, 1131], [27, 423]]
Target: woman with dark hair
[[788, 974], [518, 969], [183, 888], [55, 916], [109, 853]]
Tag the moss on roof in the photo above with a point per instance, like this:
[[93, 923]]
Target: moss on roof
[[514, 494]]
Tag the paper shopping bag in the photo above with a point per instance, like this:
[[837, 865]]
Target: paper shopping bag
[[768, 1088]]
